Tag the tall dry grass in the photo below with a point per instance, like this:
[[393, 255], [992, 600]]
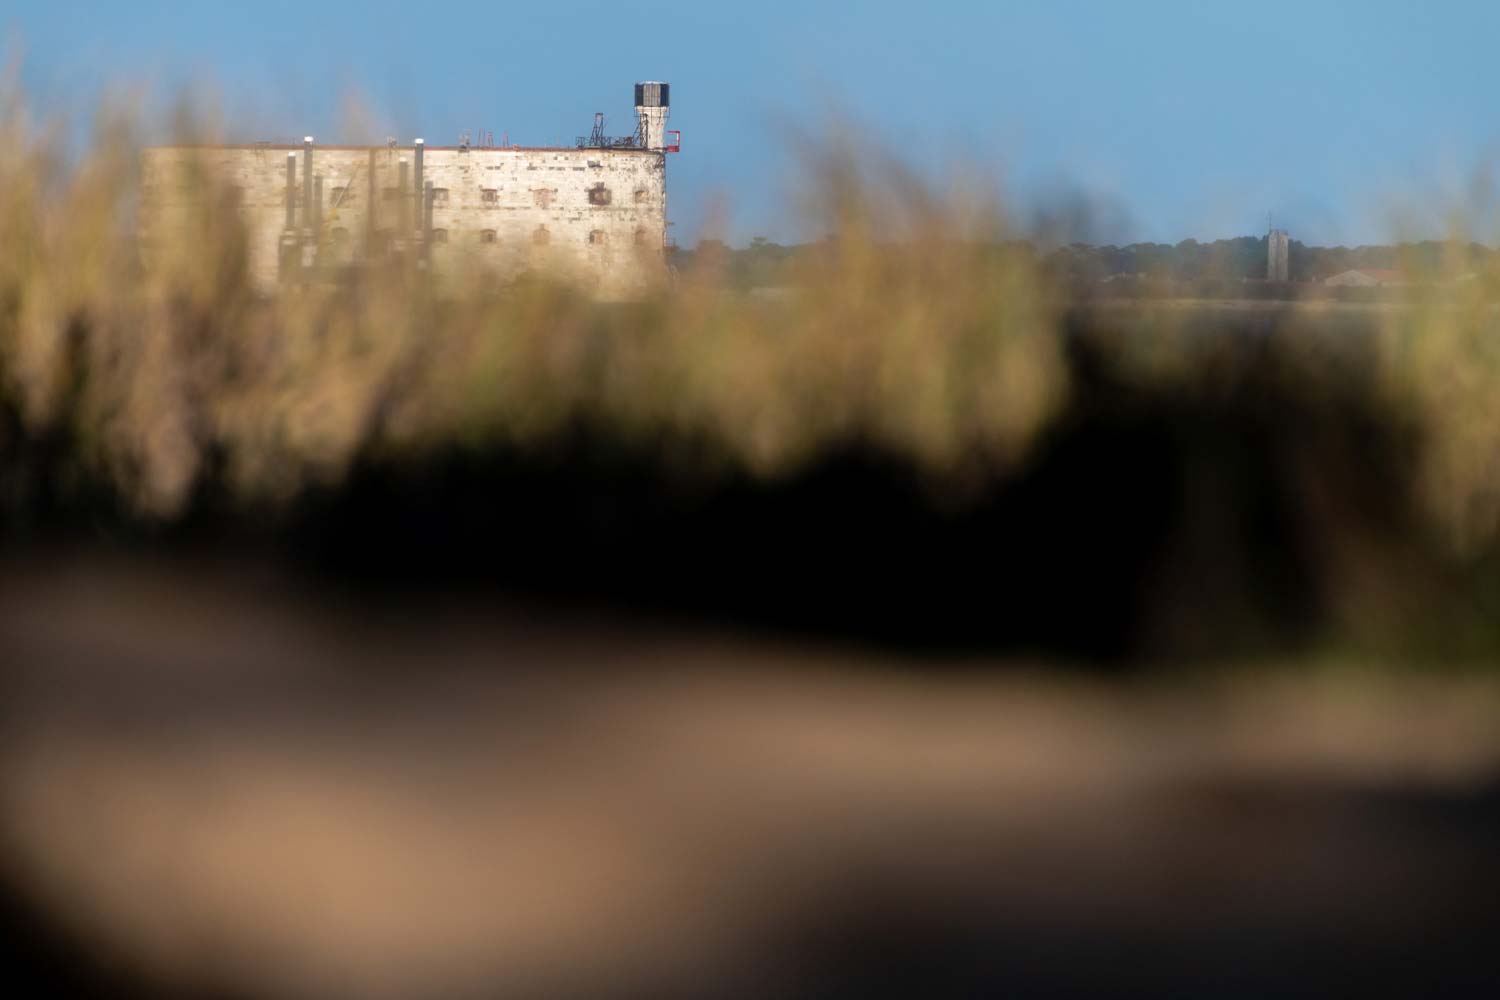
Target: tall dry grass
[[916, 328], [1440, 359], [907, 332]]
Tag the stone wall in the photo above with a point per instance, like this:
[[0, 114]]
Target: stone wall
[[594, 214]]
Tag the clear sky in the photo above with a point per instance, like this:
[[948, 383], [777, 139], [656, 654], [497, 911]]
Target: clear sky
[[1173, 118]]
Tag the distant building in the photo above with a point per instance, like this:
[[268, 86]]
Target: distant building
[[597, 209], [1366, 277], [1278, 256]]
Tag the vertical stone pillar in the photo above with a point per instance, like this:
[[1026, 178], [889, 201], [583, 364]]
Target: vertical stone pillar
[[291, 192], [417, 188], [371, 192], [403, 196], [427, 199], [307, 182]]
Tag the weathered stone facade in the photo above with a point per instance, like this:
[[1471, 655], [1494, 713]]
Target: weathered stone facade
[[484, 212]]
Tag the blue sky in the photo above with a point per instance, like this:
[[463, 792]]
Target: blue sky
[[1172, 119]]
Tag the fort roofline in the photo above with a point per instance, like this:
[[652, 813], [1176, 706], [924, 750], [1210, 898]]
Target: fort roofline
[[309, 210], [297, 147]]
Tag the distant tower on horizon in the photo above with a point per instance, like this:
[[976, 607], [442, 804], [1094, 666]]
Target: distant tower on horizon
[[1278, 256]]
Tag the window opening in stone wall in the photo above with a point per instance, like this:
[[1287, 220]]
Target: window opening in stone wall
[[541, 235], [440, 236], [542, 197], [596, 236], [490, 196], [641, 194], [486, 236], [440, 196], [599, 194]]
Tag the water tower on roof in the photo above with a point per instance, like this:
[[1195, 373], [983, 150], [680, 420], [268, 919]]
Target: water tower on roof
[[653, 101]]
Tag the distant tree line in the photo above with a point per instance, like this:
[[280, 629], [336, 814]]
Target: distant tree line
[[1244, 258], [1222, 267]]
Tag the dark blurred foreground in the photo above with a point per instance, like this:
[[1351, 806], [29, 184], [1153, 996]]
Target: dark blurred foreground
[[216, 784], [573, 718], [1226, 480], [914, 629]]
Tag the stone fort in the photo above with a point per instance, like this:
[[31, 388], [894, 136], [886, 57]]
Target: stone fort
[[596, 211]]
